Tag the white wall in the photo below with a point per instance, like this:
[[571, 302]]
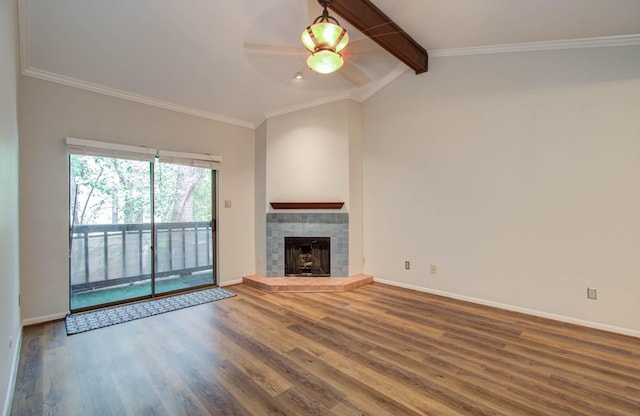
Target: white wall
[[518, 176], [50, 112], [313, 155], [260, 219], [356, 254], [9, 242], [308, 155]]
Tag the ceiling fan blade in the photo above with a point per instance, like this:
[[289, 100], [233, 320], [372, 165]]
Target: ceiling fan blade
[[362, 46], [275, 49], [353, 74]]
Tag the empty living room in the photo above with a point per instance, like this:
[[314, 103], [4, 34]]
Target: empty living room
[[332, 207]]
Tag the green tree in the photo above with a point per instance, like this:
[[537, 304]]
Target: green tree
[[180, 193], [110, 190]]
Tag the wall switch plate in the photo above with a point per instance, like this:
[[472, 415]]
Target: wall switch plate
[[227, 203], [407, 265], [434, 269], [592, 293]]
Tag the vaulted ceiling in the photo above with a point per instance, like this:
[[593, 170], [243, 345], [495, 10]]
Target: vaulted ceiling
[[208, 57]]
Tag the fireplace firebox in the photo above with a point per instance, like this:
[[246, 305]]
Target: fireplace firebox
[[307, 256]]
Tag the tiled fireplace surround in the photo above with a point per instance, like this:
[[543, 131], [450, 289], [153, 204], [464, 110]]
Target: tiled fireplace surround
[[333, 225]]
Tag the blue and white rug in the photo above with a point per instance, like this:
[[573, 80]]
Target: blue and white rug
[[81, 322]]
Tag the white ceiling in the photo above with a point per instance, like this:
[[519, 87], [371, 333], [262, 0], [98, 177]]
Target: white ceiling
[[190, 55]]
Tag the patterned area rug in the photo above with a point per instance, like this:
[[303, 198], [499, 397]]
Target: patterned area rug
[[81, 322]]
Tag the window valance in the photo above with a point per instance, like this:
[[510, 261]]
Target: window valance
[[123, 151]]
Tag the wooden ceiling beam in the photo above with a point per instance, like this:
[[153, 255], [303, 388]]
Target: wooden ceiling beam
[[368, 19]]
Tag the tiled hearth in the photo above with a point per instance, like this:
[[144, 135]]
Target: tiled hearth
[[332, 225], [307, 284]]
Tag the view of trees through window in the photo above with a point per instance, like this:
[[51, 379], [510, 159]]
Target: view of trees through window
[[117, 191]]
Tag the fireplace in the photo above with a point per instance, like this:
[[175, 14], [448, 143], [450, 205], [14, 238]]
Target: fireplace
[[307, 256], [333, 226]]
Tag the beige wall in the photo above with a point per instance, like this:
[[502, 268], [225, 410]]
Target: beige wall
[[9, 261], [518, 176], [51, 112]]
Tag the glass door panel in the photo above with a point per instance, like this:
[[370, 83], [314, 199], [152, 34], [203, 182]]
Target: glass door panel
[[110, 257], [183, 223]]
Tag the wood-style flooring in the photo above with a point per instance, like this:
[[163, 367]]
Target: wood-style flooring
[[376, 350]]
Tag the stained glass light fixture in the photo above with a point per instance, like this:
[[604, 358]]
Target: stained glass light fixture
[[325, 38]]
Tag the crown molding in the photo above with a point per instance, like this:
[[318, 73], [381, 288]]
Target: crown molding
[[27, 70], [100, 89], [360, 95], [364, 93], [608, 41], [304, 106]]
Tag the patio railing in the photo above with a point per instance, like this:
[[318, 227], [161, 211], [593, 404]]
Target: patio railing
[[113, 254]]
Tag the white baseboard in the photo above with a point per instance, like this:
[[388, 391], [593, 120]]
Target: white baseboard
[[561, 318], [43, 319], [231, 282], [8, 401]]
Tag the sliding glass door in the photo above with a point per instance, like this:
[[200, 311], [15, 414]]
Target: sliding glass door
[[184, 234], [138, 229]]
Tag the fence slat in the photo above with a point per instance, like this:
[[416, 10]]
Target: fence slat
[[106, 256], [195, 239], [86, 257], [124, 252]]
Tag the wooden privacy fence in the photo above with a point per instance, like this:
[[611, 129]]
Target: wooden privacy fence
[[112, 254]]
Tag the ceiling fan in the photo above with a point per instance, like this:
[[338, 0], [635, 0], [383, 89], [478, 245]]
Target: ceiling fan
[[363, 15]]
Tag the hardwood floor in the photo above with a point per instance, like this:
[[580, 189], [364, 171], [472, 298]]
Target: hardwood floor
[[376, 350]]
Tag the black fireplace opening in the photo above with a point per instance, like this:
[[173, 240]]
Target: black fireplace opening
[[307, 256]]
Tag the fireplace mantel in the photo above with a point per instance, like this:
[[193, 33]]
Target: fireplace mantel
[[307, 205]]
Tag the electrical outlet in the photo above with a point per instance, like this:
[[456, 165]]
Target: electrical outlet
[[434, 269], [592, 293], [407, 265]]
